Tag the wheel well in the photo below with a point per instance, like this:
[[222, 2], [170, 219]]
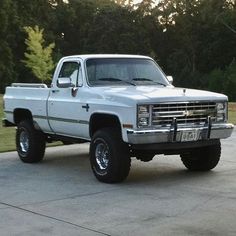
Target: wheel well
[[22, 114], [98, 121]]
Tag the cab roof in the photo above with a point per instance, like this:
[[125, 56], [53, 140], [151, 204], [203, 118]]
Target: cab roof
[[90, 56]]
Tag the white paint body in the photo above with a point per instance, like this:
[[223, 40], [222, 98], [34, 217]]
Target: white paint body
[[50, 107]]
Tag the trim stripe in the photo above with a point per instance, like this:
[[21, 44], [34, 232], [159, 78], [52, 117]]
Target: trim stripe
[[9, 112], [84, 122], [40, 117]]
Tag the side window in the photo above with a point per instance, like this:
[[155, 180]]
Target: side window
[[71, 70]]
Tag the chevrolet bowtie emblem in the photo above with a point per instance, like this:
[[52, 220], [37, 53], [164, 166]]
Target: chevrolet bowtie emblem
[[187, 113]]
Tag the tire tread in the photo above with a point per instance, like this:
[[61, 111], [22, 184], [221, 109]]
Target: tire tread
[[202, 159], [37, 142]]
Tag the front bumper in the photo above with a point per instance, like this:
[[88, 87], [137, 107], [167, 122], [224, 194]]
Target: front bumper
[[174, 134]]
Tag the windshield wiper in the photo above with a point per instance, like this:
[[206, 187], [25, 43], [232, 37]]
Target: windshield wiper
[[116, 80], [149, 80], [109, 79]]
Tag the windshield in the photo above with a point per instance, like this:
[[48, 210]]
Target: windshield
[[125, 71]]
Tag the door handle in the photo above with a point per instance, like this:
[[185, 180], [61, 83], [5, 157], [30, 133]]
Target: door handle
[[55, 90]]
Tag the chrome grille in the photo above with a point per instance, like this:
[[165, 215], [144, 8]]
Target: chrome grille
[[184, 112]]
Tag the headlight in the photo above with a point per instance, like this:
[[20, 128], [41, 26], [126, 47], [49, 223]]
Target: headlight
[[143, 121], [221, 109], [143, 115], [143, 109]]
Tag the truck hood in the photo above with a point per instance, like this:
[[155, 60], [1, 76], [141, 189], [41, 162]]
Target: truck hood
[[155, 94]]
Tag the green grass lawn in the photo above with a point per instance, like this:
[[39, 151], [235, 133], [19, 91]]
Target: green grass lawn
[[7, 135], [232, 112]]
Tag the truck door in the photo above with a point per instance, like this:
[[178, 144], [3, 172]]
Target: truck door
[[64, 104]]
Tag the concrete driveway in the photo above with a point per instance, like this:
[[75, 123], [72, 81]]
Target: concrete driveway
[[60, 196]]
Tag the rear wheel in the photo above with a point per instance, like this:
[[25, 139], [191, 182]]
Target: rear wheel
[[202, 159], [109, 156], [30, 143]]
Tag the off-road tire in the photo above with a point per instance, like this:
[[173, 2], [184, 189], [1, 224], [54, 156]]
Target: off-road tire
[[109, 156], [30, 143], [202, 159]]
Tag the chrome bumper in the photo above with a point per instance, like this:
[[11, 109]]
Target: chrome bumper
[[174, 134]]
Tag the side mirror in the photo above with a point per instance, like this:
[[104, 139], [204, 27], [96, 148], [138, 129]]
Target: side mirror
[[170, 79], [64, 82]]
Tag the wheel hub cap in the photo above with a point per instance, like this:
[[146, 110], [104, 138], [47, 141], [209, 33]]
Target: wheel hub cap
[[24, 142], [101, 155]]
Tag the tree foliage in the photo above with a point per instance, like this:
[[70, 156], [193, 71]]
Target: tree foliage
[[7, 73], [193, 40], [38, 58]]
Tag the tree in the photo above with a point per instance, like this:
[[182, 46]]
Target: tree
[[217, 79], [145, 6], [124, 2], [74, 19], [38, 58], [230, 83], [193, 40], [117, 29], [7, 73]]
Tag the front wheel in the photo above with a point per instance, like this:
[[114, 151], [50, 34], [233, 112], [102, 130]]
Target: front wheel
[[109, 156], [202, 159], [30, 143]]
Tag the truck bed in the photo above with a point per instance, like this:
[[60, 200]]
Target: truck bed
[[32, 97]]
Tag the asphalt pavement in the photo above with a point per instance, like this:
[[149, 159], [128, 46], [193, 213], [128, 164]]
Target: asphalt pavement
[[60, 196]]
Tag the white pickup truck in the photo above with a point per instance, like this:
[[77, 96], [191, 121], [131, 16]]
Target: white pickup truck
[[125, 106]]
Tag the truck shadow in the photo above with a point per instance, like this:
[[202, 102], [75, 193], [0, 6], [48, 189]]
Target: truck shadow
[[156, 171], [168, 176]]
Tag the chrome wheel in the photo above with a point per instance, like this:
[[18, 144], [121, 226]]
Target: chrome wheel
[[109, 156], [24, 141], [101, 156], [30, 143]]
